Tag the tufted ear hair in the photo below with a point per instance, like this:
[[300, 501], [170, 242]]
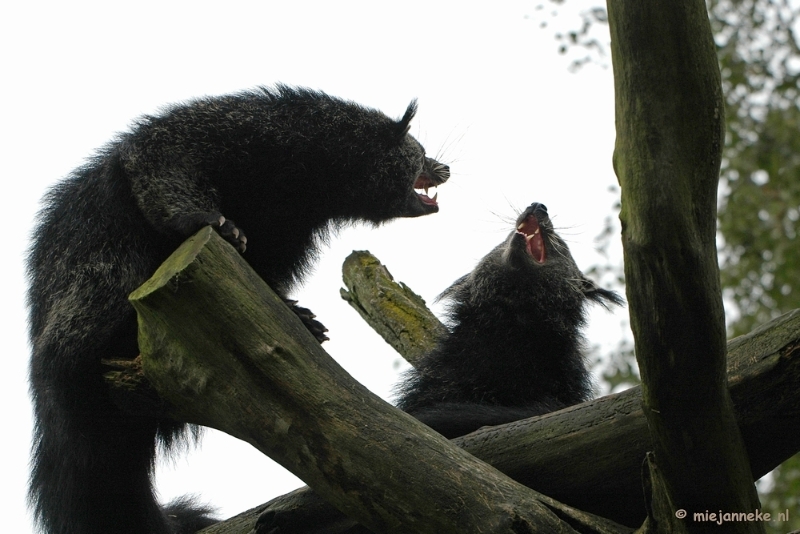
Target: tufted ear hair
[[404, 124], [455, 287], [604, 297]]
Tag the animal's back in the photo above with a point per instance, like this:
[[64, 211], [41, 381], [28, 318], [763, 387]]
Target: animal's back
[[286, 164]]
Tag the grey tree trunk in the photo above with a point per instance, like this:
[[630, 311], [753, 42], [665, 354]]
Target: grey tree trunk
[[670, 130]]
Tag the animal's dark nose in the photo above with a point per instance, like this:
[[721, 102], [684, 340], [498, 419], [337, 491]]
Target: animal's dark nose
[[537, 206]]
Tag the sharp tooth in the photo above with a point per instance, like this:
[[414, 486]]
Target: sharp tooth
[[435, 196], [529, 237], [519, 228]]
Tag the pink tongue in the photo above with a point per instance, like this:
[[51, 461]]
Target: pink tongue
[[533, 238], [422, 182], [426, 199], [536, 248]]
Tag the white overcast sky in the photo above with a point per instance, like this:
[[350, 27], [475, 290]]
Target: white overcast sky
[[496, 102]]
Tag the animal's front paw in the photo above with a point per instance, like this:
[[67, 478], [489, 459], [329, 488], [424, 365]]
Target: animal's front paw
[[187, 225], [309, 319], [228, 230]]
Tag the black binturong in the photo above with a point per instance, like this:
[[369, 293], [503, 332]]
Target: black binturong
[[515, 349], [288, 165]]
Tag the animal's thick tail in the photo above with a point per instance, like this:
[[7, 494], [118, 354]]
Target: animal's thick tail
[[186, 516]]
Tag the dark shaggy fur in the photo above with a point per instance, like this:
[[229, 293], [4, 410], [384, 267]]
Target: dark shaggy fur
[[286, 164], [516, 348]]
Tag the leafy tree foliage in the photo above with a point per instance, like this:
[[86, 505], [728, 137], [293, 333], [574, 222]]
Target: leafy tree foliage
[[760, 200]]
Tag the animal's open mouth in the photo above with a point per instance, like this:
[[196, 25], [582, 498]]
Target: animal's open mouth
[[432, 174], [424, 182], [534, 240]]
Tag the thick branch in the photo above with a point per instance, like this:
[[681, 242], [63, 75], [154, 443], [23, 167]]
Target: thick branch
[[225, 352], [590, 456], [669, 119], [394, 311]]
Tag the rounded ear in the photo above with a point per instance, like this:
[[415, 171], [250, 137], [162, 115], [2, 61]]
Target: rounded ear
[[604, 297], [404, 124]]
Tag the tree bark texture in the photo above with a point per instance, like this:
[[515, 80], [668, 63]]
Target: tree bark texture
[[669, 122], [392, 309], [591, 456], [225, 352]]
